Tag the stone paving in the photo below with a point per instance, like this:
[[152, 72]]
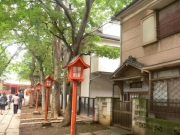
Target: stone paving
[[9, 125], [9, 122]]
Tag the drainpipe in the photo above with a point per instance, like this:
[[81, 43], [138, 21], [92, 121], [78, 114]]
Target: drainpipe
[[120, 43], [93, 77], [150, 87], [96, 76]]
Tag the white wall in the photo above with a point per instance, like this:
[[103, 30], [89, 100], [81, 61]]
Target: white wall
[[102, 64], [85, 84], [101, 86]]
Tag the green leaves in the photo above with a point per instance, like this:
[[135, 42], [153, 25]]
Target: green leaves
[[106, 51]]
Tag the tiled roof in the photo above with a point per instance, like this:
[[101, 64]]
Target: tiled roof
[[132, 61]]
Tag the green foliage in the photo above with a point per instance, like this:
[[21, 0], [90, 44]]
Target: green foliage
[[168, 127], [31, 24], [106, 51]]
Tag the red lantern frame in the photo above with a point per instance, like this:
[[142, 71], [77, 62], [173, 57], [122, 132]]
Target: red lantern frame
[[48, 81], [76, 69]]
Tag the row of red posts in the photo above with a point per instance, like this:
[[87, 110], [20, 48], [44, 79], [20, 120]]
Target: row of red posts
[[48, 81], [75, 74]]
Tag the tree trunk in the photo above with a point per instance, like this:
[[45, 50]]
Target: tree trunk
[[32, 71], [43, 89], [55, 106], [67, 116]]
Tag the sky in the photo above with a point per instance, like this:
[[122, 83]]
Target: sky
[[13, 77]]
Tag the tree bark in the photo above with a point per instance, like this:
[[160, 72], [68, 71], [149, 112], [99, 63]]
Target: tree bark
[[42, 82], [32, 67], [55, 106], [67, 116]]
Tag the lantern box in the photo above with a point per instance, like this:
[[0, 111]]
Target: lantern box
[[76, 69], [38, 86], [48, 81]]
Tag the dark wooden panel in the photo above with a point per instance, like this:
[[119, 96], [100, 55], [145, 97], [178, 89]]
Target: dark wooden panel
[[122, 114], [169, 20]]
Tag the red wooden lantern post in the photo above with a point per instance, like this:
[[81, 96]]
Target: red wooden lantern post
[[38, 88], [31, 97], [48, 81], [75, 74]]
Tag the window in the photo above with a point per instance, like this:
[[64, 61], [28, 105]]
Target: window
[[148, 26], [76, 71], [169, 18], [166, 73], [136, 85]]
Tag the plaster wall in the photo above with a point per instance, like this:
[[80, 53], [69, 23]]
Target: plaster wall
[[164, 50], [102, 64], [84, 90], [101, 86]]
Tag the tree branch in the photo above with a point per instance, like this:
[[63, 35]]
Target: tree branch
[[84, 22], [63, 38], [60, 3]]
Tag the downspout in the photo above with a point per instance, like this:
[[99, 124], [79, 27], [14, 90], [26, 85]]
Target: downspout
[[96, 76], [120, 43], [93, 77], [150, 87]]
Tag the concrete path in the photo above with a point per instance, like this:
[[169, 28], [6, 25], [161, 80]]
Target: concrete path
[[9, 122], [9, 125], [110, 131]]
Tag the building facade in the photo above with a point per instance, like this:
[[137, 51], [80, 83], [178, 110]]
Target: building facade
[[150, 58]]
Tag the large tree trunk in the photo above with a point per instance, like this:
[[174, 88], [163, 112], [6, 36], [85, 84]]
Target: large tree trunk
[[43, 89], [67, 116], [55, 106]]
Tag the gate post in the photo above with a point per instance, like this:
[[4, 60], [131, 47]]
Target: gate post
[[96, 113]]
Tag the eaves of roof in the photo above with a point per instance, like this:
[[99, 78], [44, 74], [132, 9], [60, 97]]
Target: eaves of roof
[[106, 36], [131, 61], [126, 8]]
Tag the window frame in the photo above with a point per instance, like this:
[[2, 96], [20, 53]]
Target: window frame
[[130, 85], [154, 14]]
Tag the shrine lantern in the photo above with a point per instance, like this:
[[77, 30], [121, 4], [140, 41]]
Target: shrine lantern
[[38, 86], [75, 73], [76, 69], [48, 81]]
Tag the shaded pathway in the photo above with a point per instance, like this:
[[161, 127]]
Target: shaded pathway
[[9, 122]]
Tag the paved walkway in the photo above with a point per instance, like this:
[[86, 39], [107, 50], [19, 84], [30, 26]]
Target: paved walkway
[[9, 122], [9, 125], [110, 131]]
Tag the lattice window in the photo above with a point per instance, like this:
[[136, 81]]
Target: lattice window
[[165, 98], [160, 94]]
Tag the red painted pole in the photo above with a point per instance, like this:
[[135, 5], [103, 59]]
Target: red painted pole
[[37, 97], [47, 100], [31, 98], [73, 113]]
